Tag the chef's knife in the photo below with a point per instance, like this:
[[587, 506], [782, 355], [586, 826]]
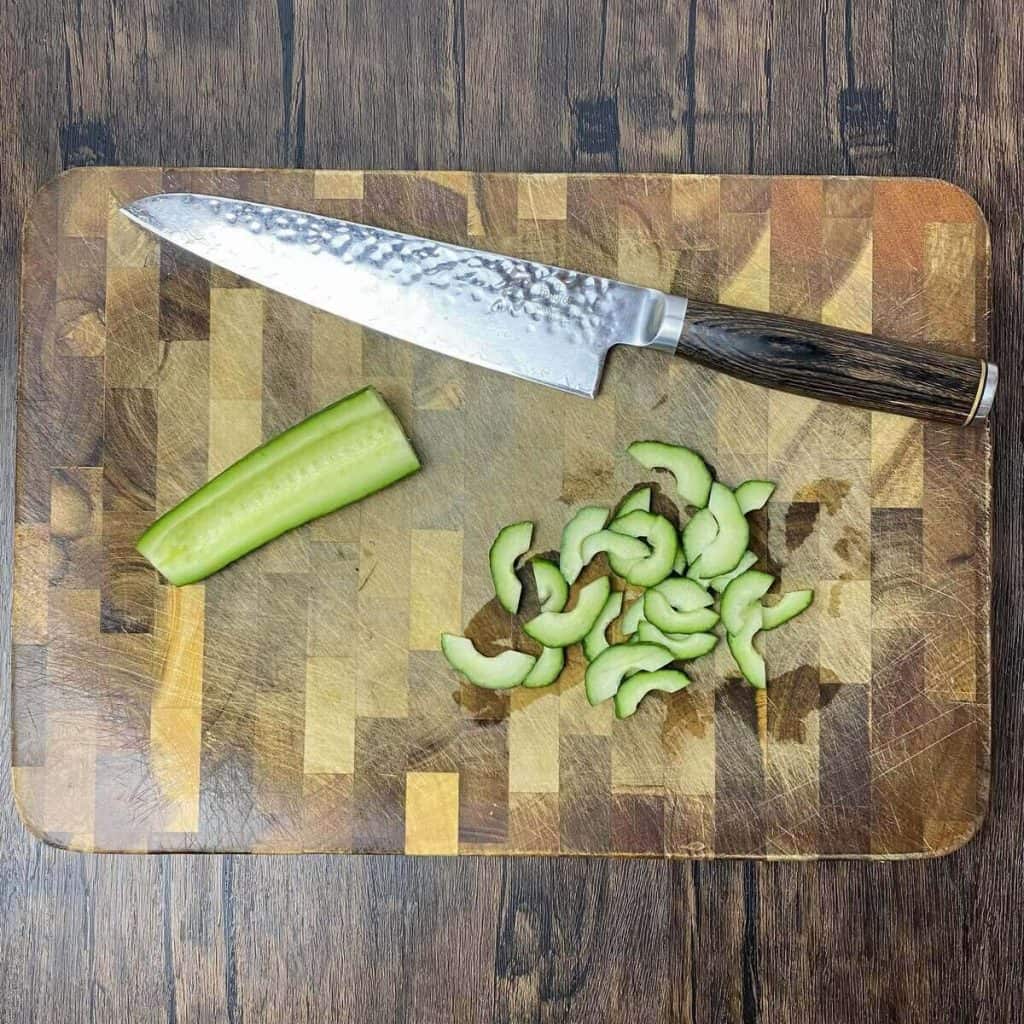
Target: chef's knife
[[549, 324]]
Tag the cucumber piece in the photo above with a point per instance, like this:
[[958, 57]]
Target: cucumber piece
[[660, 613], [683, 647], [595, 641], [623, 550], [693, 478], [719, 583], [552, 590], [662, 537], [548, 668], [741, 646], [637, 500], [560, 629], [679, 565], [753, 494], [791, 605], [684, 595], [587, 520], [501, 672], [345, 452], [636, 687], [606, 672], [633, 617], [512, 541], [723, 554], [698, 533], [740, 595]]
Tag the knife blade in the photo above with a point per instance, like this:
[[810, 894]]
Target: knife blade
[[549, 324]]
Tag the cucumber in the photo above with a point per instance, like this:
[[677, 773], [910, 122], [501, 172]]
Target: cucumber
[[753, 494], [502, 672], [636, 687], [789, 607], [723, 554], [679, 565], [633, 617], [662, 537], [345, 452], [548, 668], [741, 595], [611, 666], [684, 595], [560, 629], [683, 647], [660, 613], [637, 500], [719, 583], [552, 590], [623, 550], [587, 520], [512, 541], [698, 533], [741, 646], [595, 641], [693, 478]]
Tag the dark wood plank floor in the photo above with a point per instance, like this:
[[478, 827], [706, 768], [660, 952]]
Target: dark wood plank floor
[[925, 87]]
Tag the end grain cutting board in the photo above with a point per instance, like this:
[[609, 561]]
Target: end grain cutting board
[[297, 701]]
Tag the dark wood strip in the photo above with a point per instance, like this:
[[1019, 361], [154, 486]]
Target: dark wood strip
[[739, 772]]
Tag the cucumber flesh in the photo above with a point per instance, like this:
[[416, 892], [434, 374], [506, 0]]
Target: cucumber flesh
[[587, 520], [502, 672], [633, 617], [698, 533], [719, 583], [723, 554], [606, 672], [636, 687], [741, 595], [790, 606], [595, 641], [345, 452], [512, 541], [658, 611], [753, 494], [679, 565], [632, 502], [622, 550], [552, 590], [741, 646], [682, 647], [693, 478], [684, 595], [662, 537], [548, 668], [560, 629]]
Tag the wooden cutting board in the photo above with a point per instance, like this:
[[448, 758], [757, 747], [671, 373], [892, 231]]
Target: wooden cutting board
[[297, 700]]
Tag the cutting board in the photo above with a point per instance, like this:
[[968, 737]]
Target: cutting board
[[298, 701]]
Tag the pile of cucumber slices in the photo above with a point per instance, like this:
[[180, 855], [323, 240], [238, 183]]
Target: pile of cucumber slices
[[677, 576]]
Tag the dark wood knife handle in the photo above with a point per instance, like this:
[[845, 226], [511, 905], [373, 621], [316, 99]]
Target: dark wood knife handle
[[837, 365]]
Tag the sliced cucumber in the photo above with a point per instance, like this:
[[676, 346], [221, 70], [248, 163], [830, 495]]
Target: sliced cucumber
[[501, 672], [595, 641], [633, 617], [753, 494], [719, 583], [623, 550], [684, 595], [636, 687], [637, 500], [723, 554], [548, 668], [741, 595], [512, 541], [606, 672], [741, 646], [679, 565], [791, 605], [560, 629], [698, 533], [662, 537], [693, 478], [683, 647], [552, 590], [658, 611], [588, 520]]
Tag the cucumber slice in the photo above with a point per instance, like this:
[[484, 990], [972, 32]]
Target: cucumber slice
[[548, 668], [637, 500], [606, 672], [588, 520], [719, 583], [660, 613], [698, 533], [512, 541], [791, 605], [723, 554], [502, 672], [560, 629], [345, 452], [679, 565], [622, 549], [740, 595], [683, 647], [753, 494], [684, 595], [552, 590], [633, 617], [693, 478], [595, 641], [636, 687], [662, 537], [741, 646]]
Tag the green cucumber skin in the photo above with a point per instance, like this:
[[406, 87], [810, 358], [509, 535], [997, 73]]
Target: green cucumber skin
[[693, 478], [501, 672], [561, 629], [547, 669], [512, 541], [605, 673], [789, 607], [596, 641], [337, 456], [552, 590], [753, 494], [586, 521], [636, 687]]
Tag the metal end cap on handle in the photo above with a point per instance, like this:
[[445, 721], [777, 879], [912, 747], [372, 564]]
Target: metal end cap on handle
[[670, 329], [986, 393]]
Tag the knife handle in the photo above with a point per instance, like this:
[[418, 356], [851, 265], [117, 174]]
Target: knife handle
[[836, 365]]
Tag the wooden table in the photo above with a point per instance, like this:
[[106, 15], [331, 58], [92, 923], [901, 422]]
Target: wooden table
[[879, 87]]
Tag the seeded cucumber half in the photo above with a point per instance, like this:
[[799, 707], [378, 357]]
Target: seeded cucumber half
[[560, 629], [789, 607], [723, 554], [742, 594], [636, 687], [662, 537], [693, 478], [501, 672], [753, 494], [746, 656], [606, 672], [683, 647], [587, 520], [512, 541]]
